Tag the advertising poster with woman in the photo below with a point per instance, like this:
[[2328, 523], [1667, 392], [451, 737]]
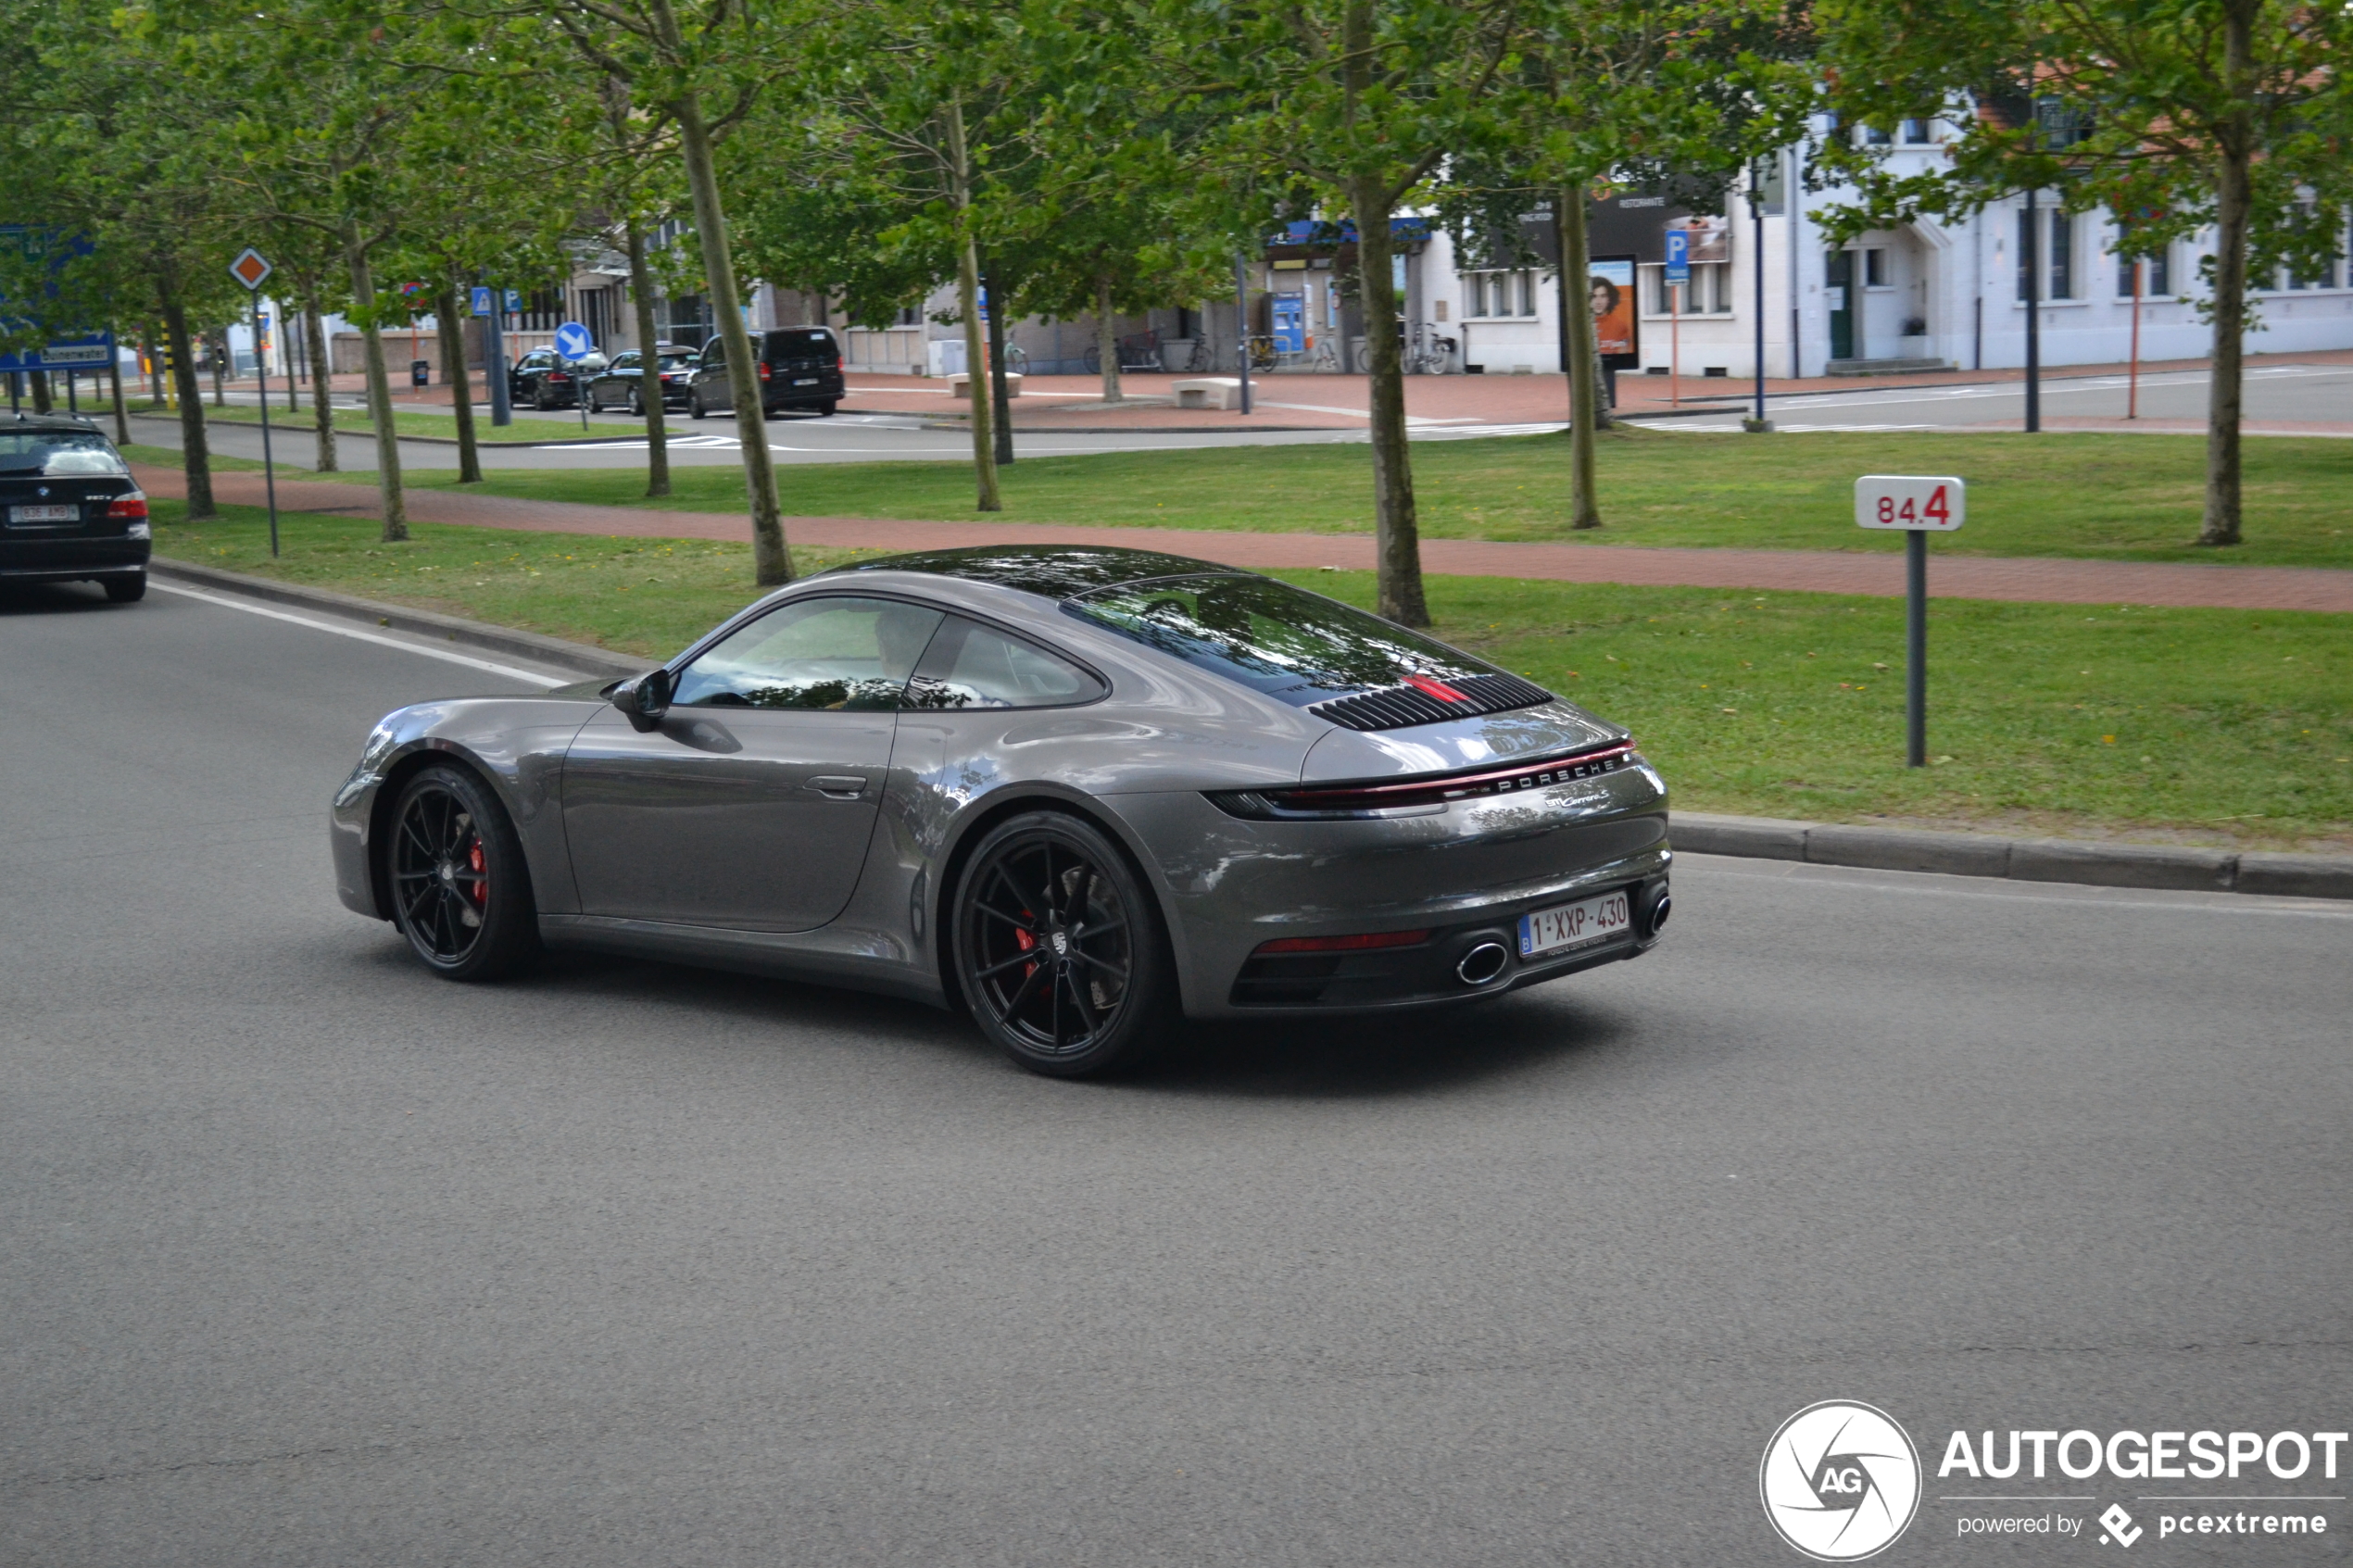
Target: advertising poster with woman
[[1611, 290]]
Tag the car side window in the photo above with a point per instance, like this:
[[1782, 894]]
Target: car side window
[[842, 654], [969, 665], [625, 361], [714, 355]]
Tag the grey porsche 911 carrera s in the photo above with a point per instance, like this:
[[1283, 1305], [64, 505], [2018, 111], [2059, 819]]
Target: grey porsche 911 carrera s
[[1075, 793]]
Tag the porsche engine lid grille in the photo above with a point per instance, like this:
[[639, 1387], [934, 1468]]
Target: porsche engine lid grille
[[1431, 702]]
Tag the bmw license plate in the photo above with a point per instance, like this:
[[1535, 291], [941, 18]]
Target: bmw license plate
[[43, 514], [805, 380], [1574, 925]]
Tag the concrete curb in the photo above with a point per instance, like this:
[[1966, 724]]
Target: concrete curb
[[562, 657], [2019, 859]]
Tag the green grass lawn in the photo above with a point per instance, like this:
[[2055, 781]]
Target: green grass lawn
[[2119, 497], [2201, 725]]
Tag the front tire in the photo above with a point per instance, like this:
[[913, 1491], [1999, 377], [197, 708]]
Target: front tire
[[1059, 951], [460, 887], [695, 409], [125, 589], [636, 403]]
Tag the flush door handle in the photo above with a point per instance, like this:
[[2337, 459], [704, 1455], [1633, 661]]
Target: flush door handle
[[842, 786]]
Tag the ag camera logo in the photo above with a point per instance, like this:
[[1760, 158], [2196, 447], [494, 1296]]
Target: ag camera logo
[[1841, 1481]]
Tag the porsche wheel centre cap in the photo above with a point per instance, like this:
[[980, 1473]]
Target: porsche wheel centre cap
[[1061, 944]]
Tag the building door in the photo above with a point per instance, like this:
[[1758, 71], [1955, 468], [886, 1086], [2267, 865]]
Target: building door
[[1838, 288]]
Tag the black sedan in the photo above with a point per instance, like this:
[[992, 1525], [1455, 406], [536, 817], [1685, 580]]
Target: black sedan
[[70, 510], [623, 380], [546, 380]]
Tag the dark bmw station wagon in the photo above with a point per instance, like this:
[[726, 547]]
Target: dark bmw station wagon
[[70, 510], [799, 368]]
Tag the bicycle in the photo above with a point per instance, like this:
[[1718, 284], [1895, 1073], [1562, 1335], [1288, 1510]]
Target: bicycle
[[1262, 354], [1201, 355], [1429, 354], [1016, 360], [1321, 357]]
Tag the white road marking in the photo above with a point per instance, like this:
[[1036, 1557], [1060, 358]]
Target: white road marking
[[534, 677]]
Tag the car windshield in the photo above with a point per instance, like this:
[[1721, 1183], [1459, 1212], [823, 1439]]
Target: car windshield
[[57, 452], [1290, 645], [675, 361]]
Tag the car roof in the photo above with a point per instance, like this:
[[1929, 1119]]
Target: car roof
[[78, 424], [1054, 571]]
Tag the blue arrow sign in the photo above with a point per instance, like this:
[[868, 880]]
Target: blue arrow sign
[[1678, 256], [573, 341]]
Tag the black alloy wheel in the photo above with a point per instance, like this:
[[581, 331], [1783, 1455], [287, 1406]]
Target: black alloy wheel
[[636, 403], [695, 409], [126, 590], [596, 404], [460, 891], [1058, 948]]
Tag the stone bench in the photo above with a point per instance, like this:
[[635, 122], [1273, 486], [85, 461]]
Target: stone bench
[[960, 384], [1209, 391]]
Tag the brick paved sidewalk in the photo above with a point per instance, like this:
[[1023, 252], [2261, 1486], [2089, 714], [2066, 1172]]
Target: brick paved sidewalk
[[1825, 571]]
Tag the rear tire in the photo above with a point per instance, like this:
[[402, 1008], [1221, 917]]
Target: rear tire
[[596, 404], [460, 887], [694, 406], [636, 403], [1099, 992], [126, 590], [825, 410]]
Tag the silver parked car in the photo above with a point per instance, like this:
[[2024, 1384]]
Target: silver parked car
[[1073, 791]]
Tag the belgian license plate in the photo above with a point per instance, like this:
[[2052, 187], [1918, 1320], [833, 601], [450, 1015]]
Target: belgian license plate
[[1574, 925], [42, 514], [806, 380]]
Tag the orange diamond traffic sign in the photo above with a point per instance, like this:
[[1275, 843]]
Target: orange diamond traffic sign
[[251, 267]]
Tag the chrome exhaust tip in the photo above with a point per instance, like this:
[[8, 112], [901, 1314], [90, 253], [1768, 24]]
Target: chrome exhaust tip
[[1659, 913], [1483, 964]]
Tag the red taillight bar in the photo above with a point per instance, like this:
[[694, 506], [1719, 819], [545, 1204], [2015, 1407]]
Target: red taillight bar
[[1360, 798], [764, 370], [1341, 944], [133, 506]]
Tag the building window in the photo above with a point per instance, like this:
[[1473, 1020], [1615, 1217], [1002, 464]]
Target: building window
[[1501, 295], [1875, 268], [1918, 132], [2157, 275], [1709, 293], [2058, 254], [1875, 137]]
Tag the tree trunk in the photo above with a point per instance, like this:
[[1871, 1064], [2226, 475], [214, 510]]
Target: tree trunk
[[1586, 411], [323, 416], [44, 399], [195, 460], [968, 307], [1000, 404], [154, 365], [641, 288], [363, 293], [771, 560], [1107, 339], [1397, 533], [2233, 199], [454, 375]]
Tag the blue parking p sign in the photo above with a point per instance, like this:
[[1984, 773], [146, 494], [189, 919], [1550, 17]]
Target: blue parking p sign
[[1678, 256], [573, 341]]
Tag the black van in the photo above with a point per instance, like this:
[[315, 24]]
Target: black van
[[799, 368]]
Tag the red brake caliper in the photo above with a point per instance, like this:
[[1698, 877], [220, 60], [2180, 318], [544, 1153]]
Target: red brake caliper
[[482, 881], [1026, 942]]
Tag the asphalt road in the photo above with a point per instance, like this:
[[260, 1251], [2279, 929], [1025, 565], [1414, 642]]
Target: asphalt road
[[2292, 391], [311, 1258]]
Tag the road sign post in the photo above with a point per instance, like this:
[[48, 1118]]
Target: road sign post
[[1919, 506], [1679, 277], [574, 344], [487, 303], [252, 268]]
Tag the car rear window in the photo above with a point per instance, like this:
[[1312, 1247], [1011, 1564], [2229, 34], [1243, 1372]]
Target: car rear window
[[24, 453], [1297, 647], [800, 344]]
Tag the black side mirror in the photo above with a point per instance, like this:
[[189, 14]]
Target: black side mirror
[[644, 700]]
